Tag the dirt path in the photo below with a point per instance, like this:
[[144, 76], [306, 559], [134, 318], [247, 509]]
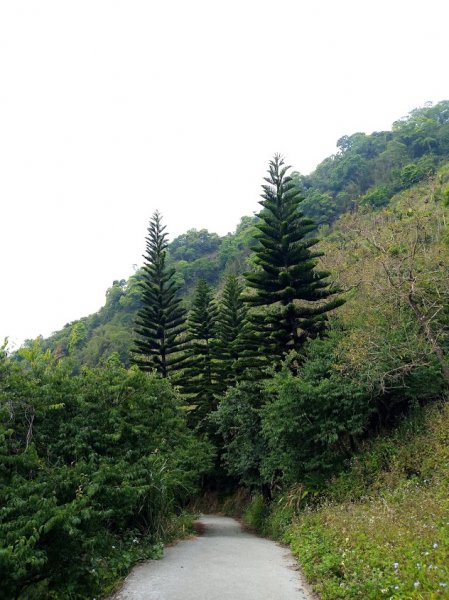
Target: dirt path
[[225, 563]]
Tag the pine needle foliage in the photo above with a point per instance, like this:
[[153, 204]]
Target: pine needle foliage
[[161, 322], [232, 320], [199, 375], [295, 295]]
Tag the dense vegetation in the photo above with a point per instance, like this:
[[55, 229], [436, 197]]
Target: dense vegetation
[[379, 529], [368, 170], [92, 469], [275, 355]]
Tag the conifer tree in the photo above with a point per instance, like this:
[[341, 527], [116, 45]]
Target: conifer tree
[[200, 376], [161, 321], [295, 296], [230, 325]]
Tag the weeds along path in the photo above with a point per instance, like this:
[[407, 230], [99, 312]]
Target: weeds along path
[[224, 563]]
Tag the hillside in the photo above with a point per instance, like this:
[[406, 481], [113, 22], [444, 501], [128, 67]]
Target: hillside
[[366, 172], [384, 353], [195, 255], [357, 445]]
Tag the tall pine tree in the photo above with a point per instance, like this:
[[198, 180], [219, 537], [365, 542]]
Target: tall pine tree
[[295, 296], [161, 321], [200, 376], [230, 324]]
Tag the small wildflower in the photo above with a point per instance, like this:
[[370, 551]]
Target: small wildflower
[[396, 566], [435, 546], [416, 584], [135, 541], [113, 547], [443, 585], [418, 565], [396, 587]]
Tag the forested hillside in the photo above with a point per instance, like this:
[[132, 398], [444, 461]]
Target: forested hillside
[[366, 171], [271, 358], [370, 169], [195, 255]]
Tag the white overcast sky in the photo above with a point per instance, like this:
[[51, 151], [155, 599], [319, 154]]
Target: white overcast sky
[[110, 109]]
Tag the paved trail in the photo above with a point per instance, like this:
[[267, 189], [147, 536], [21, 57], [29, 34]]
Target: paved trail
[[225, 563]]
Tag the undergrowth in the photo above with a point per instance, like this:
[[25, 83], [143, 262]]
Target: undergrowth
[[380, 529], [115, 557], [231, 504]]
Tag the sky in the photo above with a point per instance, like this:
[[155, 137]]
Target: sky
[[112, 109]]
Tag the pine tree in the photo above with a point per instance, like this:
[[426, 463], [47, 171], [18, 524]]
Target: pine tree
[[161, 322], [200, 377], [295, 296], [231, 322]]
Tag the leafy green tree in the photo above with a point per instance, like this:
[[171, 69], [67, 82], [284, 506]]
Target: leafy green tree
[[105, 340], [194, 244], [160, 322], [77, 335], [417, 171], [238, 423], [297, 295], [235, 247], [88, 463], [199, 375], [311, 420], [377, 197]]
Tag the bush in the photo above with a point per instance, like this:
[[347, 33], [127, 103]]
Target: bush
[[237, 419], [312, 417], [380, 529], [417, 171], [88, 464], [256, 513], [377, 197]]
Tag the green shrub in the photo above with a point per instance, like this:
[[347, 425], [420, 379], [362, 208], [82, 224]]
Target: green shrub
[[377, 197], [92, 470], [311, 417], [256, 513], [381, 529]]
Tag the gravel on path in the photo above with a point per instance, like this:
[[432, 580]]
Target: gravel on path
[[225, 563]]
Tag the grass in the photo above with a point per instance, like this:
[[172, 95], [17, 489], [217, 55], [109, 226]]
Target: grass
[[380, 530]]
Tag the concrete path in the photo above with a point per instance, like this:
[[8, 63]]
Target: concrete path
[[225, 563]]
